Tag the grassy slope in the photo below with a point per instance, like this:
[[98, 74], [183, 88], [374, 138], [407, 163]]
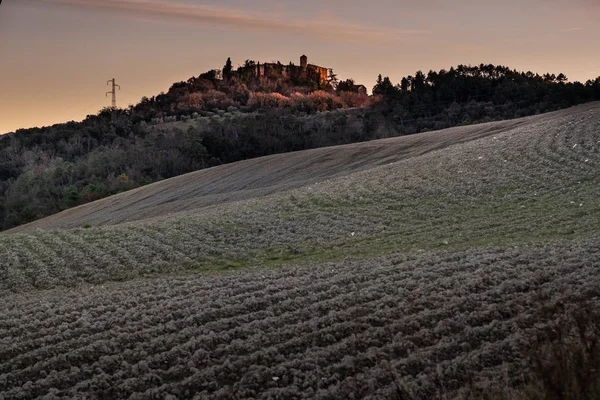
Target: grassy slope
[[261, 176], [535, 181]]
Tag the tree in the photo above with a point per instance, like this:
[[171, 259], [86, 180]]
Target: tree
[[227, 69], [332, 79], [404, 85], [383, 87], [346, 86], [419, 82], [213, 73]]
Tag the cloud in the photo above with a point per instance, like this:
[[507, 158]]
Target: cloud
[[239, 19]]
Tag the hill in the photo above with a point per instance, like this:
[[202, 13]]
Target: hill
[[416, 277], [528, 179], [261, 176], [259, 109]]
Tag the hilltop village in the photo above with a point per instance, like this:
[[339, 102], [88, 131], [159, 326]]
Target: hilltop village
[[313, 75]]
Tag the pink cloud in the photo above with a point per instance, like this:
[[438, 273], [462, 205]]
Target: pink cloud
[[243, 20]]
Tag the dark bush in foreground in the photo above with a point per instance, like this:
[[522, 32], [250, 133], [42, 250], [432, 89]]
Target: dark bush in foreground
[[564, 363]]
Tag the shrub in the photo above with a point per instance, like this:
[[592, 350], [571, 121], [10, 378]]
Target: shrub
[[353, 100], [268, 100], [567, 362], [564, 363], [93, 192], [214, 99]]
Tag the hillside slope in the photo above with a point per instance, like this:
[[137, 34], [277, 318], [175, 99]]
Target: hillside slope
[[409, 279], [537, 180], [266, 175]]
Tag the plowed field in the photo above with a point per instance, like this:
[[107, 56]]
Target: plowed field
[[426, 323], [262, 176], [404, 267]]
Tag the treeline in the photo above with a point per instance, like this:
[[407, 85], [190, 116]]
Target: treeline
[[470, 94], [207, 121]]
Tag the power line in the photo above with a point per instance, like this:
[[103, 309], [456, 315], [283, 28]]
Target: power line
[[113, 92]]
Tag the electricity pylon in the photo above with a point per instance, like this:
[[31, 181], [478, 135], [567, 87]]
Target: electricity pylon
[[113, 91]]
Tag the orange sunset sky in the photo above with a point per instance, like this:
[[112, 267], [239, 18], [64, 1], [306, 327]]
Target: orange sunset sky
[[56, 55]]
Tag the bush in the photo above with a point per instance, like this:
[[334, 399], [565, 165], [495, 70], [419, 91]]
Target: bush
[[567, 362], [353, 100], [93, 192], [214, 99], [262, 100], [564, 363]]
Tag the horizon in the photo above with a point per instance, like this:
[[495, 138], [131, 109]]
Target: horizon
[[60, 53]]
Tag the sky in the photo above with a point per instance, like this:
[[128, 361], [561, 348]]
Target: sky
[[56, 56]]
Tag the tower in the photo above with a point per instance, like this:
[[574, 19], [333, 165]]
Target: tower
[[113, 92], [304, 62]]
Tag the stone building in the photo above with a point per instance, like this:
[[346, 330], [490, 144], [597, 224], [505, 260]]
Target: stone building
[[305, 70], [360, 89]]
